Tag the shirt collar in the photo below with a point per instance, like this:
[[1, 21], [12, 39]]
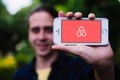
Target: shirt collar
[[57, 62]]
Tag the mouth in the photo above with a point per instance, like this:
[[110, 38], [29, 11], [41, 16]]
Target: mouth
[[43, 47]]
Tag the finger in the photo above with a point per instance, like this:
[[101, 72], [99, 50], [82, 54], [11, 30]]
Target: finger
[[61, 14], [79, 50], [64, 48], [69, 14], [59, 47], [91, 16], [78, 15]]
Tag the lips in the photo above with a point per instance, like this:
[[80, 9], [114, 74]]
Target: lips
[[43, 46]]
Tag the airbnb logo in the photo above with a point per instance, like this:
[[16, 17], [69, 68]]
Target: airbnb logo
[[81, 32]]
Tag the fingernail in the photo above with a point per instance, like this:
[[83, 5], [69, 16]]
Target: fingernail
[[91, 16]]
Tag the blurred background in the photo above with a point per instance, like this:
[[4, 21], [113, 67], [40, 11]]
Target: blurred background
[[15, 50]]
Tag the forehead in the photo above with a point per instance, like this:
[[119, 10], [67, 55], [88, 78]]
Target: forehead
[[40, 19]]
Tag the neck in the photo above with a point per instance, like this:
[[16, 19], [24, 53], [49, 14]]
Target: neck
[[46, 62]]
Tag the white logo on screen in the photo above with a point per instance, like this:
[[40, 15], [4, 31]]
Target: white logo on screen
[[81, 32]]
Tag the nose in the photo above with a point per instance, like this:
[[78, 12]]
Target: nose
[[42, 35]]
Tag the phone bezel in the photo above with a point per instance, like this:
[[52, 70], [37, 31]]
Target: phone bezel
[[57, 31]]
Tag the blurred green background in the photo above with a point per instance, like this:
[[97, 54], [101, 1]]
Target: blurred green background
[[15, 50]]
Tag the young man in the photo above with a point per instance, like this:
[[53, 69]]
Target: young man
[[51, 63]]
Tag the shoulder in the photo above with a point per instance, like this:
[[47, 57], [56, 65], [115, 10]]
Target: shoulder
[[21, 72], [82, 70], [76, 63], [117, 72]]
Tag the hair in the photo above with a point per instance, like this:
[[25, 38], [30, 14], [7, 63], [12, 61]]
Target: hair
[[44, 7]]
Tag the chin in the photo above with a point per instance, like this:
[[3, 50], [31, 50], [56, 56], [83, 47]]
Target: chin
[[44, 53]]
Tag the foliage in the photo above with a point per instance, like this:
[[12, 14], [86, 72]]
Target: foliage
[[13, 30], [24, 53], [8, 66], [10, 63]]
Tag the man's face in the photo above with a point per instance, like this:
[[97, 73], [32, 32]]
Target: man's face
[[40, 32]]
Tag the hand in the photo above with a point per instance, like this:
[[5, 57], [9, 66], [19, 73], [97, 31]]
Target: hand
[[97, 56], [100, 57]]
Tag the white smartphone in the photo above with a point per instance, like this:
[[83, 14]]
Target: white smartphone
[[83, 31]]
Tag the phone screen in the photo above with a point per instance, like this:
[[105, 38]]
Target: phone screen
[[83, 31]]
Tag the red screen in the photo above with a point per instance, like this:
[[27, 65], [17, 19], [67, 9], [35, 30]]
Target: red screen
[[81, 31]]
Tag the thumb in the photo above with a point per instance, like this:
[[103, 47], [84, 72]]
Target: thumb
[[59, 47], [70, 49]]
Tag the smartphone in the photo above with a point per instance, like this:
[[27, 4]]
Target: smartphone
[[71, 31]]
